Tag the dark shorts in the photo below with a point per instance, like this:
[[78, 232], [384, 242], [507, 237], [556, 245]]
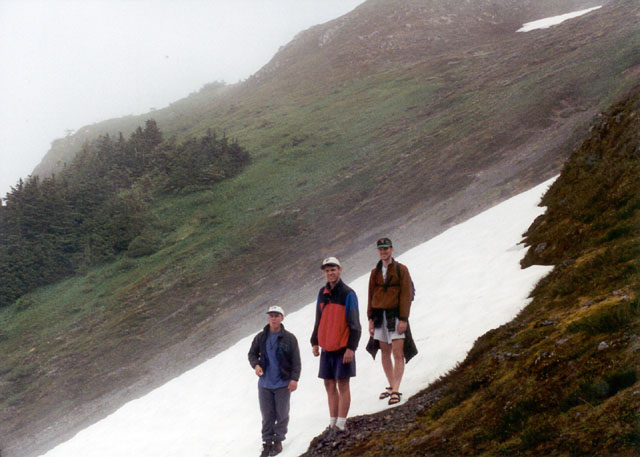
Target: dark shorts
[[331, 366]]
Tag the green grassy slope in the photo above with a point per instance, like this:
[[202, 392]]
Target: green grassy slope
[[382, 128], [563, 377]]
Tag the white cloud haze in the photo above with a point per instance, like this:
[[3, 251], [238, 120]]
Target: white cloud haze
[[69, 63]]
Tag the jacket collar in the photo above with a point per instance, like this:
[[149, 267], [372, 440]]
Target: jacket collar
[[329, 289], [379, 265]]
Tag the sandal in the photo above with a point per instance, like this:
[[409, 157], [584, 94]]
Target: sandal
[[395, 398], [385, 394]]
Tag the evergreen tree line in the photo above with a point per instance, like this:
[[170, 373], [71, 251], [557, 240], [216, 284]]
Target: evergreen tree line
[[98, 206]]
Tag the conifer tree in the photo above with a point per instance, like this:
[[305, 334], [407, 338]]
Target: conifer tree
[[54, 227]]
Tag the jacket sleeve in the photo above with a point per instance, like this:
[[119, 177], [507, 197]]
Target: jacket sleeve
[[353, 320], [314, 335], [296, 363], [372, 281], [254, 352], [405, 293]]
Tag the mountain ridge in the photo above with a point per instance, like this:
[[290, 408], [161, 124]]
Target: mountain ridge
[[317, 37]]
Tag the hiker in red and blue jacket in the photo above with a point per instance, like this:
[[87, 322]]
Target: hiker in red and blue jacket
[[337, 331], [275, 358]]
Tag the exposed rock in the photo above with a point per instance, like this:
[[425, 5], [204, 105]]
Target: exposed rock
[[360, 428], [541, 247]]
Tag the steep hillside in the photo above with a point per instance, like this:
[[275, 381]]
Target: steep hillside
[[378, 36], [563, 377], [401, 118]]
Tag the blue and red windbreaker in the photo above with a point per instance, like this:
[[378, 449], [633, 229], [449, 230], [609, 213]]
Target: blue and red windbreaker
[[337, 323]]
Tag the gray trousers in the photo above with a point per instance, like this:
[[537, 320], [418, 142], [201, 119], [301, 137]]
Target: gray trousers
[[274, 406]]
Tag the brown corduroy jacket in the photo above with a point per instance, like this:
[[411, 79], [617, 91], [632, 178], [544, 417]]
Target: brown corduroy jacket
[[395, 292]]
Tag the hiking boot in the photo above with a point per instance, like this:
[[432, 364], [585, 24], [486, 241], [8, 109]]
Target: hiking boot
[[340, 432], [330, 433], [336, 433], [276, 448], [266, 449]]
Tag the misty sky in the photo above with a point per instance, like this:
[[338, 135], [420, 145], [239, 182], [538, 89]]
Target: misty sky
[[69, 63]]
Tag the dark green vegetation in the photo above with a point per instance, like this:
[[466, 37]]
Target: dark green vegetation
[[563, 378], [399, 119], [98, 207]]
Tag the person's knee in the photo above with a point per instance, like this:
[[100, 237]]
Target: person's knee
[[330, 385], [343, 385], [398, 349]]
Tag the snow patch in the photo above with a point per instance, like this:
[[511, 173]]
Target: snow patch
[[555, 20]]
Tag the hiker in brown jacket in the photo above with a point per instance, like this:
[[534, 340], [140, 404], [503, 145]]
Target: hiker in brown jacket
[[388, 308]]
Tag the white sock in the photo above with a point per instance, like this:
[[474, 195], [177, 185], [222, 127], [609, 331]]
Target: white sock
[[332, 421], [341, 423]]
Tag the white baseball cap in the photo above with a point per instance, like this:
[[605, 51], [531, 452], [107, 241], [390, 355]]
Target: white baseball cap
[[275, 309], [330, 261]]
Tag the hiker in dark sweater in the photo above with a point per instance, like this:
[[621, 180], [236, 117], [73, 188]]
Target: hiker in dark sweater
[[275, 357], [388, 307]]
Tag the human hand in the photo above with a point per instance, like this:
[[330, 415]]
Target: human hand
[[402, 326], [293, 385], [371, 329], [258, 370], [316, 350], [348, 357]]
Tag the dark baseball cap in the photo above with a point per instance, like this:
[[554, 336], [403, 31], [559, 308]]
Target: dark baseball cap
[[384, 243]]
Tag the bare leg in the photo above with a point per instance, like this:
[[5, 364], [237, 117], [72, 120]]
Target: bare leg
[[398, 363], [387, 364], [333, 396], [345, 397]]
